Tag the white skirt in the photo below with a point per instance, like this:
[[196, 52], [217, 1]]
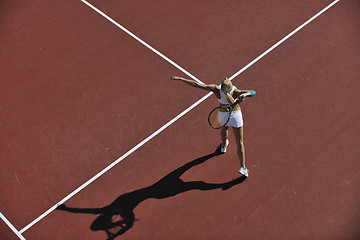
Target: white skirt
[[236, 119]]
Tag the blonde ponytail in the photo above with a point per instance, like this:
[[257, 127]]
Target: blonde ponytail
[[230, 99]]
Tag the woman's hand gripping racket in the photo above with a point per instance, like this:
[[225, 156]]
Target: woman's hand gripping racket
[[220, 116]]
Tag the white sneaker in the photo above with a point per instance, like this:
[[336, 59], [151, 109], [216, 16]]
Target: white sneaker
[[223, 149], [244, 171]]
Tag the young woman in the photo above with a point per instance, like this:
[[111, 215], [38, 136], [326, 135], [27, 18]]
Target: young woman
[[226, 93]]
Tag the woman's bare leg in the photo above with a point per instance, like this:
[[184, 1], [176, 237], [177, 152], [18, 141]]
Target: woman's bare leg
[[239, 136], [224, 135]]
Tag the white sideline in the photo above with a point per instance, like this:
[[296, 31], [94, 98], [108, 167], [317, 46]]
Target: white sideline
[[116, 162], [174, 119], [140, 40]]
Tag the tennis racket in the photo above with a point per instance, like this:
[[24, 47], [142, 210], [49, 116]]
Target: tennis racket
[[220, 116]]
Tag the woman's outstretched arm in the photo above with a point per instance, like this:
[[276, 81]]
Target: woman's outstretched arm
[[207, 87]]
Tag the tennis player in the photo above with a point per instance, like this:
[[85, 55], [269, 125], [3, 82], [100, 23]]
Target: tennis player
[[226, 93]]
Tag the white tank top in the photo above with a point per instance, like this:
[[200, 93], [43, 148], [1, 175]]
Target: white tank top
[[223, 99]]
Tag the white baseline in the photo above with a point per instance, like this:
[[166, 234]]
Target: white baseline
[[11, 226]]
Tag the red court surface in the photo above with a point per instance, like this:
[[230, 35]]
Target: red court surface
[[77, 93]]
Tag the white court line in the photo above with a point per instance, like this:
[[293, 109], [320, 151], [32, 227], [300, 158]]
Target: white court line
[[11, 226], [140, 40], [171, 121], [116, 162], [284, 39]]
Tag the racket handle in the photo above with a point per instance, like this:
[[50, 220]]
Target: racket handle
[[238, 101]]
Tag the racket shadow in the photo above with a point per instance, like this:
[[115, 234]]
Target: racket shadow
[[169, 186]]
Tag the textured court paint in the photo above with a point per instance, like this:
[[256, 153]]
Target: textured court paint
[[11, 226], [174, 119]]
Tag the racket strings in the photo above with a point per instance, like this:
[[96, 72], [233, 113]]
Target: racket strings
[[219, 117]]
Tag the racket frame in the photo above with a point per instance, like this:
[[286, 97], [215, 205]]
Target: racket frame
[[229, 108]]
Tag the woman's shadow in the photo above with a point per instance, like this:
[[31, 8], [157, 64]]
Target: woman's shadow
[[118, 217]]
